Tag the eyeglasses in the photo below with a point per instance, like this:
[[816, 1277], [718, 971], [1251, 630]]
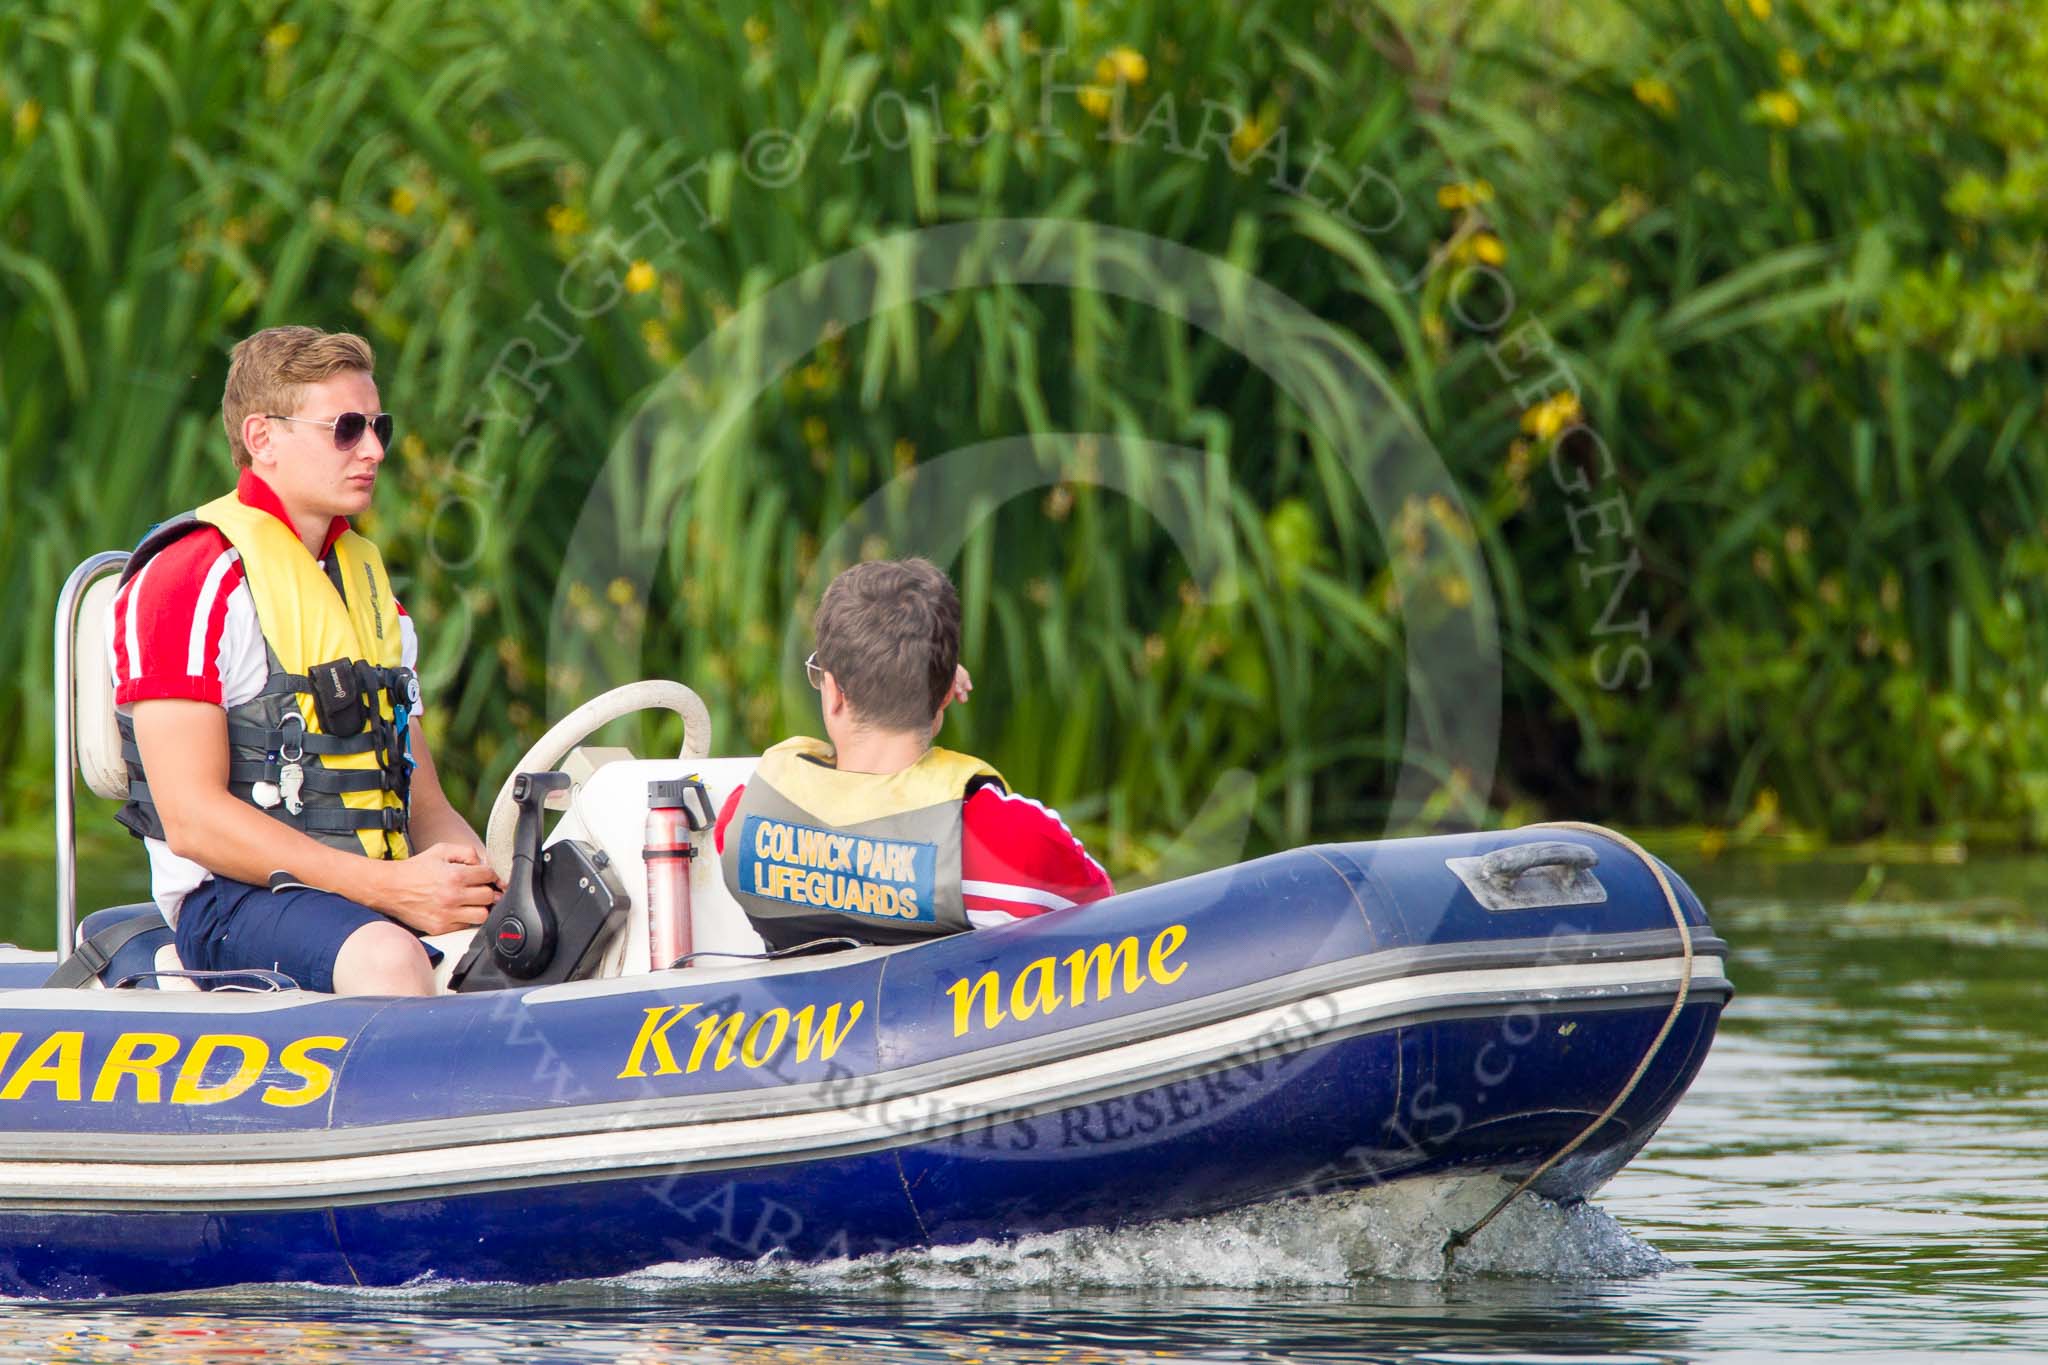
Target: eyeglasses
[[815, 673], [348, 428]]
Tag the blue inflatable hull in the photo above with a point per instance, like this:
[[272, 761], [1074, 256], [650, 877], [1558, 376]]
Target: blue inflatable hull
[[1324, 1019]]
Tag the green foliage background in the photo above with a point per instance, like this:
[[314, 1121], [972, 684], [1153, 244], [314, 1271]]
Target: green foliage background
[[1790, 255]]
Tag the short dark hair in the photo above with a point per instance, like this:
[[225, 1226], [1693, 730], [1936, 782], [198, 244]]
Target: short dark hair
[[889, 634]]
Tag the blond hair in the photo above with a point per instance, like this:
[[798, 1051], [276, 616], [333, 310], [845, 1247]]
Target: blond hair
[[267, 371]]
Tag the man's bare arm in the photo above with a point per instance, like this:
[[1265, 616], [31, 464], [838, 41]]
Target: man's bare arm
[[434, 817], [184, 748]]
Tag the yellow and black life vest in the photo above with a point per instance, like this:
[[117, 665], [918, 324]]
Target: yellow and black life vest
[[352, 789], [813, 852]]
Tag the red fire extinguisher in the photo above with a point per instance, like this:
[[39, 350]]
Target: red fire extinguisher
[[678, 810]]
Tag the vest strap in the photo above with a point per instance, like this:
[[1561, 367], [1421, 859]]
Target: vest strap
[[272, 740]]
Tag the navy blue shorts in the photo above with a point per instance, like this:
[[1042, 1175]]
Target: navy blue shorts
[[226, 926]]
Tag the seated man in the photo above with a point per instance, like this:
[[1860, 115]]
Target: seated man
[[263, 678], [879, 836]]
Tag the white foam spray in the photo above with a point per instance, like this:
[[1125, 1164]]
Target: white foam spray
[[1394, 1233]]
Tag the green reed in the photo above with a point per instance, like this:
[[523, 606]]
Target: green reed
[[1836, 533]]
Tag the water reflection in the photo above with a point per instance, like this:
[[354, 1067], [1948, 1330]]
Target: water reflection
[[1494, 1321]]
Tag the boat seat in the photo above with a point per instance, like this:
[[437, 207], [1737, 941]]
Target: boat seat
[[96, 737], [153, 950]]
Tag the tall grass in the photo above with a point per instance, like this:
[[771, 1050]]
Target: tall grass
[[1834, 526]]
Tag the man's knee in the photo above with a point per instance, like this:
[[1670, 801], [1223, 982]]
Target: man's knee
[[382, 959]]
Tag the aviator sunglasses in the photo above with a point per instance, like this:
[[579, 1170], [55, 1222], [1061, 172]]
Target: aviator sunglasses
[[348, 428]]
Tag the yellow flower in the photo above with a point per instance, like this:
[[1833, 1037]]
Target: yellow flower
[[282, 38], [1628, 206], [655, 336], [1655, 92], [565, 220], [1123, 64], [1779, 106], [1554, 414], [1789, 64], [1095, 99], [1464, 196], [28, 116], [404, 201], [1250, 137], [1760, 8], [756, 31], [1488, 249], [640, 278], [619, 592]]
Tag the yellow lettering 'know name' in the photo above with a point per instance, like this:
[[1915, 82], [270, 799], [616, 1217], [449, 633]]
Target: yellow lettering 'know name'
[[752, 1040], [1094, 973]]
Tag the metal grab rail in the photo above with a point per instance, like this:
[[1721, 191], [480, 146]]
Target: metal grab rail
[[82, 577]]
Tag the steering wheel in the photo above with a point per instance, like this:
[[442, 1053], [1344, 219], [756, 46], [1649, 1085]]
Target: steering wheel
[[572, 729]]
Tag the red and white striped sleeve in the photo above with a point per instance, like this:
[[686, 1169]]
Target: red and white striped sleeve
[[168, 621], [1019, 859], [725, 812]]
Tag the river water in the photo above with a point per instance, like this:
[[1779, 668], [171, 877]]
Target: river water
[[1859, 1171]]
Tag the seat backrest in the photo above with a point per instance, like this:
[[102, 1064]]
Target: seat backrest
[[97, 739]]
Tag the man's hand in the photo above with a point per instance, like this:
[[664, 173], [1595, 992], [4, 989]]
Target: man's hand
[[962, 685], [436, 890]]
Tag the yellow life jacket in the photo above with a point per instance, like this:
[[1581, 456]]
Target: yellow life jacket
[[814, 852], [352, 789]]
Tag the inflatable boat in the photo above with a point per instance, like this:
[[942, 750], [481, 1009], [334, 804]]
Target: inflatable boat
[[1530, 1004]]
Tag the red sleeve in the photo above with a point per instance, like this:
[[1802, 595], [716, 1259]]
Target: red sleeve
[[1019, 859], [732, 803], [168, 621]]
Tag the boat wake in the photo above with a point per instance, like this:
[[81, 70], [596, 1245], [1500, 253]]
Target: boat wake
[[1394, 1233]]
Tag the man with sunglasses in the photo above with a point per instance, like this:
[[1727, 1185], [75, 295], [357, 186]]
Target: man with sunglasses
[[264, 682], [878, 835]]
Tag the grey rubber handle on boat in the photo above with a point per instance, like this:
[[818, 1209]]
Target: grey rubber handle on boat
[[1504, 865]]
